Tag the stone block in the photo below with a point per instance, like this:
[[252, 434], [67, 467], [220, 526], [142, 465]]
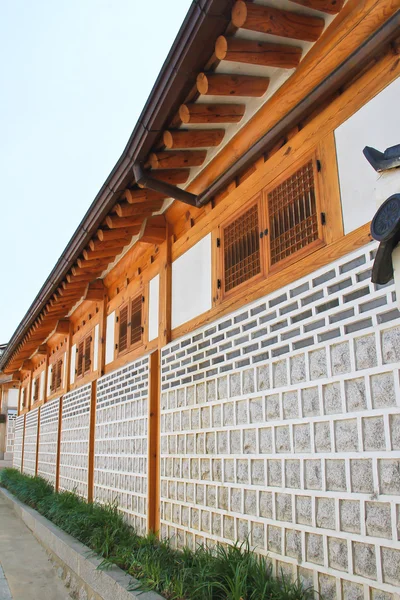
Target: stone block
[[235, 387], [242, 474], [350, 516], [222, 442], [190, 395], [391, 345], [337, 554], [313, 474], [222, 388], [303, 510], [216, 524], [265, 440], [257, 532], [217, 469], [332, 396], [250, 502], [292, 473], [229, 470], [391, 566], [327, 586], [279, 373], [248, 381], [283, 507], [242, 416], [325, 509], [194, 518], [352, 591], [314, 548], [200, 494], [272, 410], [205, 417], [235, 440], [306, 577], [249, 441], [223, 498], [378, 519], [229, 414], [236, 500], [346, 435], [229, 527], [373, 434], [211, 391], [263, 382], [302, 438], [310, 402], [335, 472], [282, 439], [382, 390], [210, 442], [364, 560], [356, 397], [395, 431], [274, 473], [265, 501], [242, 530], [217, 415], [293, 544], [340, 358], [389, 476], [274, 540], [297, 369], [318, 364], [211, 497], [290, 405], [380, 595], [206, 521], [200, 393], [256, 410], [365, 351], [361, 476], [258, 472], [322, 437]]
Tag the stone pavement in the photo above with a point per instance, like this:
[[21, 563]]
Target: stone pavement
[[25, 570]]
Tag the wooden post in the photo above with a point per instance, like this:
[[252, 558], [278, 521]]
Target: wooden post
[[92, 426], [153, 454], [164, 326], [58, 456]]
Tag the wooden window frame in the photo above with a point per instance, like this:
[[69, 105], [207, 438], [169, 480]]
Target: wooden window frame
[[129, 345], [57, 384], [88, 338], [36, 389]]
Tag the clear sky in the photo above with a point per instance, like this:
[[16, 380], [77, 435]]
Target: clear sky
[[74, 77]]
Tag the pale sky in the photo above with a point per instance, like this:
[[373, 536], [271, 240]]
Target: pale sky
[[74, 77]]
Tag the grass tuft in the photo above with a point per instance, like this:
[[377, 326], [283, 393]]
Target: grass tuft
[[226, 572]]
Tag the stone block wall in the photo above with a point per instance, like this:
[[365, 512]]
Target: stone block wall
[[48, 440], [18, 441], [30, 443], [11, 419], [280, 423], [120, 468], [74, 445]]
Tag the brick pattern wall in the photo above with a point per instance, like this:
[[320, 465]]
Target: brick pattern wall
[[281, 422], [11, 420], [18, 441], [30, 444], [74, 445], [120, 472], [48, 440]]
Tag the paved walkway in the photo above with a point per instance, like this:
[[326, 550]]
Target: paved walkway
[[25, 570]]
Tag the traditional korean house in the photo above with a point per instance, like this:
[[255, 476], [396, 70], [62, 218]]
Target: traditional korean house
[[210, 349]]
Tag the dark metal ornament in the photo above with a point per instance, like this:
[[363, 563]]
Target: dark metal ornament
[[385, 228]]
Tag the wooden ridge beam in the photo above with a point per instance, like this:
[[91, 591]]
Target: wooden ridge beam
[[210, 113], [257, 53], [181, 158], [331, 7], [221, 84], [196, 138], [115, 222], [106, 235], [283, 23], [124, 209]]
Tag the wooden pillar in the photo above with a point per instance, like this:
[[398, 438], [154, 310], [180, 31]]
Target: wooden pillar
[[58, 456], [164, 327], [153, 454], [92, 427], [46, 377]]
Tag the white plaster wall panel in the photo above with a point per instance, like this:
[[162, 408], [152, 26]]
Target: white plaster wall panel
[[376, 124], [64, 359], [74, 444], [154, 301], [281, 422], [110, 341], [49, 372], [120, 469], [12, 398], [11, 420], [72, 364], [41, 385], [30, 442], [18, 441], [48, 440], [191, 283], [96, 347]]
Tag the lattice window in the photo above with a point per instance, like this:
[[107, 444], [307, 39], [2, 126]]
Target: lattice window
[[123, 329], [241, 244], [84, 351], [136, 320], [80, 351], [58, 369], [293, 216], [88, 353], [36, 389]]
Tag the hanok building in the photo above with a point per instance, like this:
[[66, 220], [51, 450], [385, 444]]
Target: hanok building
[[210, 349]]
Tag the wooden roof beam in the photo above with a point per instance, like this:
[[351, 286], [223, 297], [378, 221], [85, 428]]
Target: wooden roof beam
[[27, 365], [105, 235], [115, 222], [181, 158], [221, 84], [110, 253], [283, 23], [196, 138], [253, 52], [331, 7], [172, 176], [155, 231], [208, 113], [141, 195], [96, 245], [96, 291]]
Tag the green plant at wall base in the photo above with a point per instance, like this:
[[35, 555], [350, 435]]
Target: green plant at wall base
[[231, 572]]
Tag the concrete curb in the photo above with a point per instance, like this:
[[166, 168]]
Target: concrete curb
[[80, 569]]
